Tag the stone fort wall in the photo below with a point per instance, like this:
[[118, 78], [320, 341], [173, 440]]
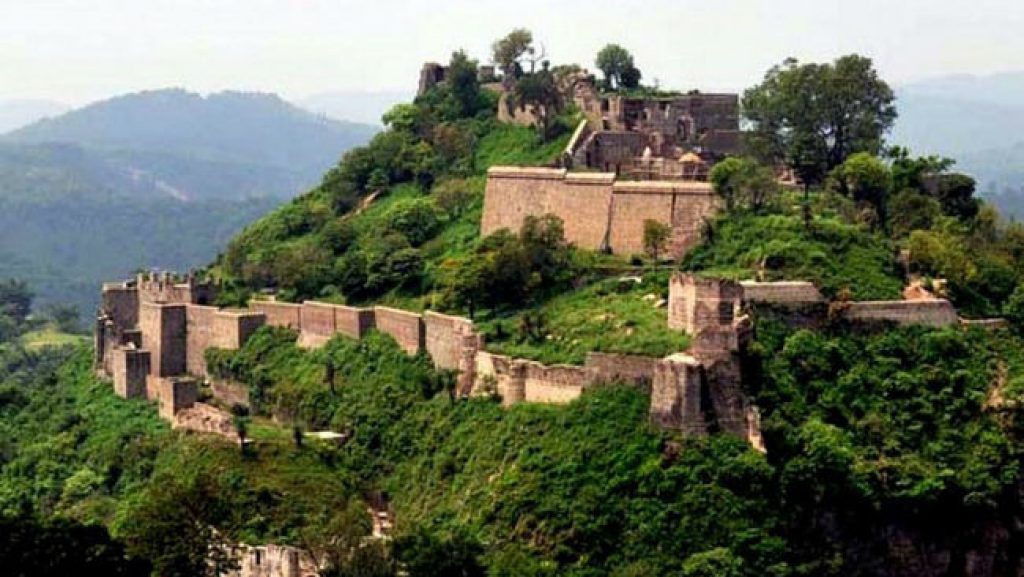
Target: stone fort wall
[[696, 391], [597, 211]]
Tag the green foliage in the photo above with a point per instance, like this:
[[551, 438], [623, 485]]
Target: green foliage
[[29, 548], [656, 237], [813, 116], [616, 63], [1013, 310], [610, 316], [832, 254], [867, 180], [743, 182], [507, 52], [507, 269]]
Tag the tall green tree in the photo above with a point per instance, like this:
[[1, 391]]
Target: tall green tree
[[867, 180], [540, 92], [616, 63], [508, 51], [813, 116]]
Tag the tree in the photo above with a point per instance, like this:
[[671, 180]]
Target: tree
[[183, 524], [616, 63], [955, 192], [463, 84], [910, 210], [1013, 310], [539, 91], [866, 179], [507, 52], [656, 235], [15, 299], [813, 116], [744, 182]]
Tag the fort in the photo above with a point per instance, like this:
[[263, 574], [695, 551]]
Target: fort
[[152, 333]]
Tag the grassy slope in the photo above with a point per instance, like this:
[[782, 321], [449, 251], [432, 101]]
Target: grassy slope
[[832, 254], [613, 316]]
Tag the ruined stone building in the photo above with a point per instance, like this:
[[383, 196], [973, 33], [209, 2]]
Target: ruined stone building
[[675, 137]]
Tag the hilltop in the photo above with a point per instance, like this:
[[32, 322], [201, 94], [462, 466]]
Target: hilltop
[[228, 145], [438, 300]]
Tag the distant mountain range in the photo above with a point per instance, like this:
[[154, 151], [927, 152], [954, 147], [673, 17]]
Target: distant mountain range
[[16, 113], [158, 179], [979, 121]]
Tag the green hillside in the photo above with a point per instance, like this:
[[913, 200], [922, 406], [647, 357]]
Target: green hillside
[[890, 451]]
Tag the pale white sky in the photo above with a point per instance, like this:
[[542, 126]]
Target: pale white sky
[[75, 51]]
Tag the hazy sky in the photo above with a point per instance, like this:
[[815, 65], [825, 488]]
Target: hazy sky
[[75, 51]]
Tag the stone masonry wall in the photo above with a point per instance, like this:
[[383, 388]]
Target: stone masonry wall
[[163, 334], [443, 338], [597, 212], [200, 335], [121, 303], [353, 322], [933, 313], [130, 368], [279, 314], [682, 205], [607, 368], [318, 323], [783, 292], [403, 326]]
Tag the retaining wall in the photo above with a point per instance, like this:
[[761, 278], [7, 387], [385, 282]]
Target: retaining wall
[[934, 313], [783, 292], [318, 323], [403, 326], [597, 212], [606, 368], [279, 314], [353, 322]]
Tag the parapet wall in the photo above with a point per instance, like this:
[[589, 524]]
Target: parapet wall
[[403, 326], [932, 313], [318, 323], [597, 212], [781, 293], [279, 314]]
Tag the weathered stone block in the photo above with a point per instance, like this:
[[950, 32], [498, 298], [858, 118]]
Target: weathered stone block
[[131, 368]]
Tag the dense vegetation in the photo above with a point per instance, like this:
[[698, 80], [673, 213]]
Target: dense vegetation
[[158, 179], [874, 438]]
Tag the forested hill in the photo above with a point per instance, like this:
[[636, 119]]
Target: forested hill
[[225, 145], [157, 179]]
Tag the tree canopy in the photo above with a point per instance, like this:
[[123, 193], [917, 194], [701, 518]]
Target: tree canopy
[[813, 116], [616, 63]]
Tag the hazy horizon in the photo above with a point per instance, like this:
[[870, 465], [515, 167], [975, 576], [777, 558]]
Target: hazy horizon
[[76, 53]]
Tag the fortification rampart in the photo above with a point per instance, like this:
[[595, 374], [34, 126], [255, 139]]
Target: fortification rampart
[[403, 326], [933, 313], [596, 211], [781, 293], [698, 391], [279, 314]]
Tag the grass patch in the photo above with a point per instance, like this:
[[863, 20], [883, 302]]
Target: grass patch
[[508, 144], [612, 316], [50, 337], [832, 254]]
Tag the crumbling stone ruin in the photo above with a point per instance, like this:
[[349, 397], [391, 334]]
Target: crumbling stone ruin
[[273, 561], [598, 211], [700, 391], [676, 137]]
